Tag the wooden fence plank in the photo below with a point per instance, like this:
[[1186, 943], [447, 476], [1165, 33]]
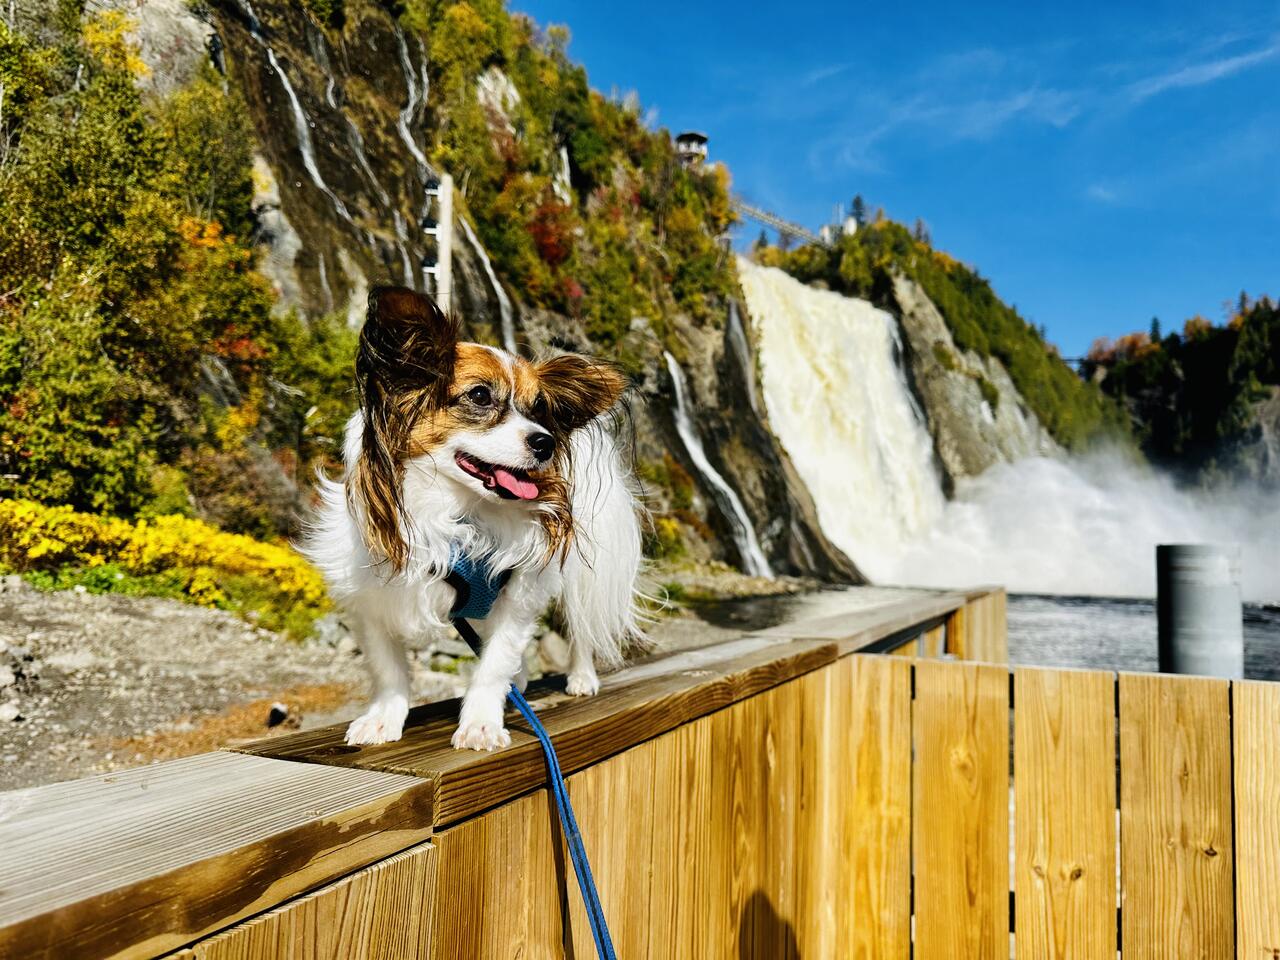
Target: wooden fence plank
[[613, 803], [933, 643], [909, 649], [1175, 817], [962, 814], [874, 913], [684, 890], [383, 912], [500, 883], [146, 860], [1064, 780], [1256, 713]]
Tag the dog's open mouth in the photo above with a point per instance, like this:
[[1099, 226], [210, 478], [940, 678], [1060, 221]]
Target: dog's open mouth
[[506, 482]]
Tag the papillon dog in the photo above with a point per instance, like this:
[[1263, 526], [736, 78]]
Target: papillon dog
[[461, 450]]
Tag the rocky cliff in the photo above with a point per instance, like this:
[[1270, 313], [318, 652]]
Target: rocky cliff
[[975, 414], [344, 118]]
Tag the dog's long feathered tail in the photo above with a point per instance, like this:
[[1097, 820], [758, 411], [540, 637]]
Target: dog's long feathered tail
[[603, 566]]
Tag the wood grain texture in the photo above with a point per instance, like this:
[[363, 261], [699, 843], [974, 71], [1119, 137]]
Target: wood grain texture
[[501, 885], [909, 649], [978, 630], [585, 730], [613, 802], [383, 912], [961, 823], [1065, 788], [135, 863], [853, 631], [686, 893], [872, 791], [1175, 817], [1256, 715], [933, 643]]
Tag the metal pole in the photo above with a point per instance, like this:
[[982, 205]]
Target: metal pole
[[1198, 607], [444, 246]]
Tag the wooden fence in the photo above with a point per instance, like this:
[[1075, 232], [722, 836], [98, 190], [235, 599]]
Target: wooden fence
[[781, 796]]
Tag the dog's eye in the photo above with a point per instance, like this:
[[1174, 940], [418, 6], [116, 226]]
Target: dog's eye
[[539, 409], [481, 396]]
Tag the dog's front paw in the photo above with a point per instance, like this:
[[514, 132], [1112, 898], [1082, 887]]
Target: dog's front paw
[[480, 736], [381, 723], [582, 683]]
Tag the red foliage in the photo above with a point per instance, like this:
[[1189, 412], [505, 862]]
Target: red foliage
[[234, 345], [552, 232]]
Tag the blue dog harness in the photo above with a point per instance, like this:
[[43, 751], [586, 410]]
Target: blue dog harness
[[476, 585], [477, 588]]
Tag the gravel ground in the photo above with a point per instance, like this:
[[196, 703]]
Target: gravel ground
[[93, 683]]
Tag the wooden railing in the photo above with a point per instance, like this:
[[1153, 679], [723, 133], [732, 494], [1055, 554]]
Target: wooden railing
[[782, 795]]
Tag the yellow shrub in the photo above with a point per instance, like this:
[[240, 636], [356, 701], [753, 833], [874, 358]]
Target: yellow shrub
[[35, 537]]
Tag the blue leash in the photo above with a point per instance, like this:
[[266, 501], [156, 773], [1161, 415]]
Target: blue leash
[[568, 822]]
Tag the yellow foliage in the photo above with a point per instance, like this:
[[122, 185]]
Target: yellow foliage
[[1195, 328], [38, 537], [201, 233], [106, 34]]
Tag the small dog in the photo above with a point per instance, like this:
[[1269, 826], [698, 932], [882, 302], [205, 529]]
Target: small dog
[[461, 450]]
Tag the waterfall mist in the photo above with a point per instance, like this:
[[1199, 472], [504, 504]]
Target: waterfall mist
[[1087, 525]]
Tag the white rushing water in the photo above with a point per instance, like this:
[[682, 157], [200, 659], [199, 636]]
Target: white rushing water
[[409, 113], [505, 309], [301, 122], [744, 534], [1087, 526], [838, 401]]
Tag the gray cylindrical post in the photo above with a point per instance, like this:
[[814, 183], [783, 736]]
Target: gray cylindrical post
[[1201, 620]]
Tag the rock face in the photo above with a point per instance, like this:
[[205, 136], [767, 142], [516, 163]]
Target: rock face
[[342, 121], [1257, 457], [975, 414]]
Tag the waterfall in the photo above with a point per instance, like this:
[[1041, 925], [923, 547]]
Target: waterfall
[[839, 403], [504, 302], [301, 122], [356, 141], [408, 114], [744, 535]]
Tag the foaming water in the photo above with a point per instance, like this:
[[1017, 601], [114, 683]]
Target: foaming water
[[754, 561], [838, 401], [1087, 525]]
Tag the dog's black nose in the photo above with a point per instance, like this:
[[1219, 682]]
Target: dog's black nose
[[542, 445]]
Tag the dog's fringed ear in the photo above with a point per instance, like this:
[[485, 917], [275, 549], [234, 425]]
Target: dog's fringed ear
[[579, 389], [404, 364]]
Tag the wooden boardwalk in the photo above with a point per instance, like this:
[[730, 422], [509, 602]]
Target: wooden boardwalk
[[787, 794]]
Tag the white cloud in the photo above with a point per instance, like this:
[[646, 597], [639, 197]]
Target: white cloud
[[1198, 74]]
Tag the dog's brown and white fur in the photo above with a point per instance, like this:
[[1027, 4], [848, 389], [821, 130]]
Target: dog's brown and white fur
[[464, 445]]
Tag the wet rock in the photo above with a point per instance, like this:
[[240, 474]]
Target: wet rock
[[975, 414]]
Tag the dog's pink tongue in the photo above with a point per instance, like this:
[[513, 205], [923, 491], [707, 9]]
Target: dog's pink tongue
[[514, 485]]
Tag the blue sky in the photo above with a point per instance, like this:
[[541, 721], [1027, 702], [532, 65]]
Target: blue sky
[[1098, 162]]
